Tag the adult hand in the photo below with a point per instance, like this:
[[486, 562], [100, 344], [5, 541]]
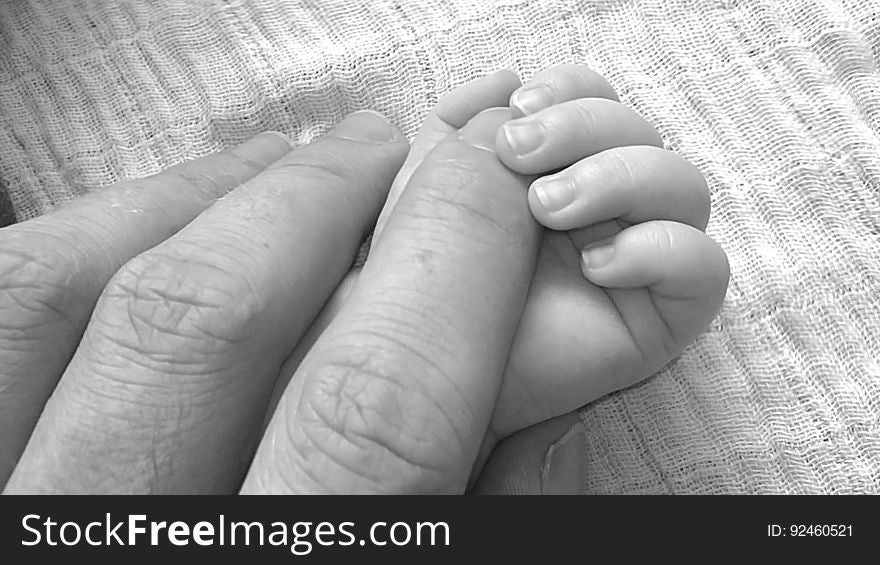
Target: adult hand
[[165, 322]]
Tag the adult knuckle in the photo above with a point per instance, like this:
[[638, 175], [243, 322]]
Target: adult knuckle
[[35, 281], [162, 303], [362, 417]]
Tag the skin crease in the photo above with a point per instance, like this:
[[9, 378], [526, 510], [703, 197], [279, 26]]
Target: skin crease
[[202, 367]]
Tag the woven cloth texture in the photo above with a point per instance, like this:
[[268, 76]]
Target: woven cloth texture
[[777, 102]]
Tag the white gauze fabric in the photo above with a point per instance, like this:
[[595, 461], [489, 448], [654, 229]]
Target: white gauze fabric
[[777, 102]]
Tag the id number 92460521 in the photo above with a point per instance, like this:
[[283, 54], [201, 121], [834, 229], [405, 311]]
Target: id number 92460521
[[809, 530]]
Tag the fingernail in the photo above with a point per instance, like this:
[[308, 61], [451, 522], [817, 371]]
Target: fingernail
[[279, 135], [481, 130], [531, 99], [598, 254], [553, 193], [564, 464], [366, 125], [524, 136]]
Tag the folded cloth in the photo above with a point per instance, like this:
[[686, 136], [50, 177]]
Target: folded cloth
[[776, 101]]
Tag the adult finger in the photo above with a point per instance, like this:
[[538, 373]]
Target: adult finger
[[331, 308], [167, 391], [453, 111], [53, 268], [397, 393]]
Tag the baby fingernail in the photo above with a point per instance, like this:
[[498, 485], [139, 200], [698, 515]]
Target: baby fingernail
[[553, 193], [531, 99], [366, 125], [565, 463], [524, 136], [598, 254], [481, 130]]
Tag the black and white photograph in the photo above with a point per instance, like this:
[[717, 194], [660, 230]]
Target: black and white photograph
[[421, 247]]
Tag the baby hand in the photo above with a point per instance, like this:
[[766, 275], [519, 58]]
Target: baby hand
[[627, 278]]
